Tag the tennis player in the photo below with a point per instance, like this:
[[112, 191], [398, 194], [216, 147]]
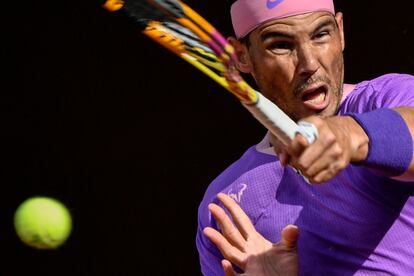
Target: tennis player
[[357, 215]]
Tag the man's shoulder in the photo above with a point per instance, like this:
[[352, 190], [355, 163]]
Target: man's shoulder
[[385, 82], [389, 90], [391, 80]]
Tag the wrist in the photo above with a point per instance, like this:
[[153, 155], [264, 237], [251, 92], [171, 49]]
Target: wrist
[[358, 139]]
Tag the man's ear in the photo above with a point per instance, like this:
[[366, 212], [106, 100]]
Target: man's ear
[[242, 52], [339, 20]]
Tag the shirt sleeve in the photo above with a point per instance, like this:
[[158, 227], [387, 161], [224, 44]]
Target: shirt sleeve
[[388, 91], [395, 90], [210, 256]]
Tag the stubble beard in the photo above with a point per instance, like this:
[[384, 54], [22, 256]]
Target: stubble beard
[[336, 90]]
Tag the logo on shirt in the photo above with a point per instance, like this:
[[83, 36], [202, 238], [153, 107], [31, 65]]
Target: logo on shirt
[[237, 196], [273, 3]]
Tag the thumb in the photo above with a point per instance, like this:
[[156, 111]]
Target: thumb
[[228, 268], [290, 235]]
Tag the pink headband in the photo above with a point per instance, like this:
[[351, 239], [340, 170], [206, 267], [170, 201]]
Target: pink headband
[[246, 15]]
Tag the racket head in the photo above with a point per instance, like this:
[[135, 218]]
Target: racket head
[[190, 49]]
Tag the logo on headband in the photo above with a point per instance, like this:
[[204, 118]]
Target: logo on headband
[[273, 3]]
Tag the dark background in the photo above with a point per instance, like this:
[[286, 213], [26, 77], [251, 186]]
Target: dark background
[[129, 136]]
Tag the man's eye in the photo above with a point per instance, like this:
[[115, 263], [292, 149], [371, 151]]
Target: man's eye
[[321, 34], [281, 45]]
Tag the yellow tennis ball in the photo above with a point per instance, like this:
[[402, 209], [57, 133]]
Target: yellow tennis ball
[[43, 222]]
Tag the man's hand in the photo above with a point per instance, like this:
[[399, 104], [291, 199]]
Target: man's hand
[[243, 246], [340, 140]]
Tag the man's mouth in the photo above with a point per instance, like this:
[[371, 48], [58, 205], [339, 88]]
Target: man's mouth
[[316, 97]]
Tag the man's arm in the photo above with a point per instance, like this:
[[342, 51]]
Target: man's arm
[[343, 140], [340, 141]]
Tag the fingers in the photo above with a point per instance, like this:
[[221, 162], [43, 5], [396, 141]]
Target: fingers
[[229, 231], [231, 242], [240, 218], [290, 235], [322, 161], [319, 157], [326, 157], [228, 268], [327, 171], [228, 250], [233, 239], [311, 154], [246, 248]]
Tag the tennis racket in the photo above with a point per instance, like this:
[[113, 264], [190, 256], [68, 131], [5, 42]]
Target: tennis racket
[[180, 29]]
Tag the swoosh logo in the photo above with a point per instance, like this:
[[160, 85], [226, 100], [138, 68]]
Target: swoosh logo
[[272, 4]]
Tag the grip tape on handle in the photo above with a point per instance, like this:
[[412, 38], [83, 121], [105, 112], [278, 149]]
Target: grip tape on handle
[[280, 124]]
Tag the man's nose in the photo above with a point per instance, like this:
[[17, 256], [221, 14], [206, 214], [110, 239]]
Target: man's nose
[[308, 62]]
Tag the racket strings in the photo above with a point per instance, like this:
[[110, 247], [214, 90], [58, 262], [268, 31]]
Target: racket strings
[[205, 61], [168, 37], [155, 31], [225, 52]]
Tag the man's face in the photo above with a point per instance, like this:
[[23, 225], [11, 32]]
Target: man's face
[[297, 63]]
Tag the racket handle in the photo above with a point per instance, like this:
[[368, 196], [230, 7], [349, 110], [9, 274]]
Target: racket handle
[[278, 123]]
